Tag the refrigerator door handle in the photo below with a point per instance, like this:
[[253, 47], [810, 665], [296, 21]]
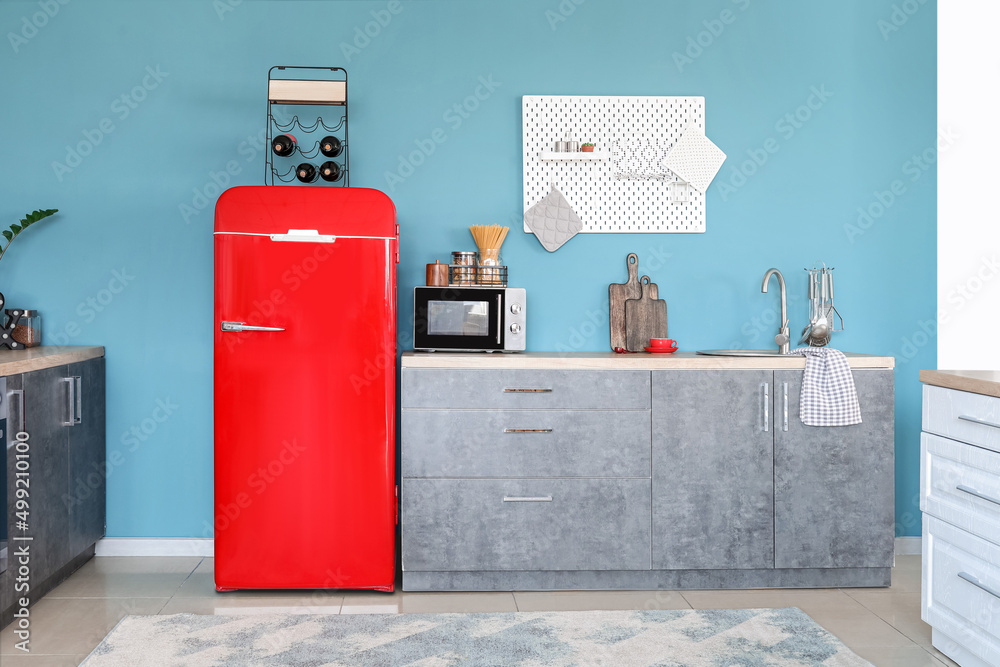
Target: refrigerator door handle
[[240, 326], [304, 236]]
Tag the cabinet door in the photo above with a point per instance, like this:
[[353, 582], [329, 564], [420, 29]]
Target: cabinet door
[[87, 470], [712, 470], [46, 401], [833, 498]]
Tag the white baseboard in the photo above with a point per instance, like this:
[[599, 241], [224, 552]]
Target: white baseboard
[[155, 546], [908, 546]]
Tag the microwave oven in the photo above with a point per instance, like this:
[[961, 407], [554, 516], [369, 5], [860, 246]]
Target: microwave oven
[[469, 319]]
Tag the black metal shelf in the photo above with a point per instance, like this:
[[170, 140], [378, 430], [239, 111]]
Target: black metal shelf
[[324, 92]]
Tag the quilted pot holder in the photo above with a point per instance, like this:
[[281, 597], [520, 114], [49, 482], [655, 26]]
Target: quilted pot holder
[[553, 220], [695, 159]]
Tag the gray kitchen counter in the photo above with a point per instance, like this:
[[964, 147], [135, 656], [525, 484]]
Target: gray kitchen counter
[[13, 362]]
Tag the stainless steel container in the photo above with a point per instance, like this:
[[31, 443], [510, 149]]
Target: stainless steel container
[[463, 270]]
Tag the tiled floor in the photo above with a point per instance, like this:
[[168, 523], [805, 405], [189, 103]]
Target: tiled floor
[[882, 625]]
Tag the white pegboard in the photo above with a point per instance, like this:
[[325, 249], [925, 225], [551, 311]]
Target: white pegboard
[[607, 204]]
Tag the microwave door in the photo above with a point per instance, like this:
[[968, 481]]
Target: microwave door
[[457, 319]]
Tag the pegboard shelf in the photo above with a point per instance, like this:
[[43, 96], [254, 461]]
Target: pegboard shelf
[[579, 155], [626, 190]]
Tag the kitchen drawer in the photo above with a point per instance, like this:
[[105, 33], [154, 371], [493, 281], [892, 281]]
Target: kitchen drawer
[[961, 588], [526, 443], [525, 389], [961, 484], [961, 415], [518, 524]]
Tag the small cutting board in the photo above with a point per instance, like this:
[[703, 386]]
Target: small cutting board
[[645, 318], [619, 293]]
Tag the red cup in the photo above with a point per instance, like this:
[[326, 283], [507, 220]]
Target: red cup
[[664, 343]]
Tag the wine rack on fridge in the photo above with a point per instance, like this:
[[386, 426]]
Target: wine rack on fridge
[[314, 153]]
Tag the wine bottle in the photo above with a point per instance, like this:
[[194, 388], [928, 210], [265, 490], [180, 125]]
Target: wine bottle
[[283, 145], [330, 171], [305, 172], [331, 146]]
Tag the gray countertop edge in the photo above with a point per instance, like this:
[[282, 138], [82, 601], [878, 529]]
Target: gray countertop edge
[[613, 361], [986, 383]]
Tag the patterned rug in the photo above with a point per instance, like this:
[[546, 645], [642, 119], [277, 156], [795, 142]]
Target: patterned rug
[[713, 638]]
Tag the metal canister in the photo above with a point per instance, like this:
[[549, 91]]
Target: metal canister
[[437, 275], [464, 268]]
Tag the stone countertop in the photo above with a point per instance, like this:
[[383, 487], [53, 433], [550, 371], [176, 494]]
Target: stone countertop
[[13, 362], [613, 361], [986, 383]]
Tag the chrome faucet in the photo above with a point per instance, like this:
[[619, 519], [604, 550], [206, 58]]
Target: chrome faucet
[[782, 339]]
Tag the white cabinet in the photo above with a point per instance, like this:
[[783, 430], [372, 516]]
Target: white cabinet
[[960, 498]]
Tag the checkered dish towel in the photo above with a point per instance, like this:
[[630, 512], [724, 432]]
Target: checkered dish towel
[[828, 397]]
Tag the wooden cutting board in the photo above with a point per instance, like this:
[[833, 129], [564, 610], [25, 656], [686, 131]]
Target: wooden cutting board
[[645, 318], [619, 293]]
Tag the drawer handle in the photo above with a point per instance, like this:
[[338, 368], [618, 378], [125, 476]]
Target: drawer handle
[[527, 499], [509, 390], [527, 430], [977, 420], [977, 494], [978, 584]]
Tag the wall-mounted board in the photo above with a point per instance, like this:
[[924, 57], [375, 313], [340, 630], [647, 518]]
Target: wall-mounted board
[[618, 126]]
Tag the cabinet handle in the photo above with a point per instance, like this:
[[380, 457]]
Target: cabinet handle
[[527, 430], [977, 420], [74, 398], [765, 402], [509, 390], [784, 416], [78, 381], [978, 584], [13, 431], [527, 499], [977, 494]]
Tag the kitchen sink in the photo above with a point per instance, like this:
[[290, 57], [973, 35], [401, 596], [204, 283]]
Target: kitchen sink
[[741, 353]]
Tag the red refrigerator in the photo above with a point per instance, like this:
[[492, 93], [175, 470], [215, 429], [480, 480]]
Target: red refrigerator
[[305, 387]]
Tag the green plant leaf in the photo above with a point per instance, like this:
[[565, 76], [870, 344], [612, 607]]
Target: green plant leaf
[[28, 220], [35, 216]]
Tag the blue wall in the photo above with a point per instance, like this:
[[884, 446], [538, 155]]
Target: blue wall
[[123, 204]]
